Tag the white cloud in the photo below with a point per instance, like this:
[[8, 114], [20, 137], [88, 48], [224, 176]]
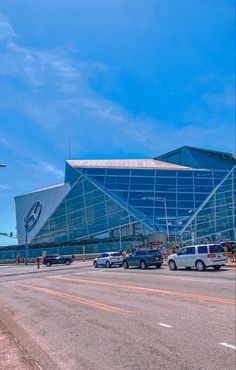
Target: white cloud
[[5, 187], [50, 170], [58, 98], [6, 30]]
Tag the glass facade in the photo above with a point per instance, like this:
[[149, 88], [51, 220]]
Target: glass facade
[[217, 216], [114, 199], [167, 198], [84, 212], [105, 199]]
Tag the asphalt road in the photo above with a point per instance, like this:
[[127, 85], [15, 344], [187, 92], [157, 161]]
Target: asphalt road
[[78, 317]]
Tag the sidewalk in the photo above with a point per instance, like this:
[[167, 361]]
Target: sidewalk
[[12, 355], [231, 264]]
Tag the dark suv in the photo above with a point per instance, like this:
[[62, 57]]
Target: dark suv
[[57, 259], [143, 258]]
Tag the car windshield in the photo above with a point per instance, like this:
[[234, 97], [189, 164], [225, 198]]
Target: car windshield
[[216, 248], [116, 254]]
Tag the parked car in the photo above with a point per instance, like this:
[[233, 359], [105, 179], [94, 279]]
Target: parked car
[[109, 259], [143, 258], [57, 259], [200, 256]]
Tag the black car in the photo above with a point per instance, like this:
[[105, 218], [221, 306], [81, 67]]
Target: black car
[[57, 259]]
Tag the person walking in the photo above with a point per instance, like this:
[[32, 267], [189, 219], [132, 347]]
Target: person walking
[[38, 262]]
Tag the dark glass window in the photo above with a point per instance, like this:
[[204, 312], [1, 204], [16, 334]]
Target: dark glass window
[[94, 171], [166, 173], [183, 173], [118, 172], [202, 174], [117, 180], [165, 180], [185, 181], [142, 180], [143, 173], [191, 250], [183, 251], [203, 182], [202, 249], [217, 248]]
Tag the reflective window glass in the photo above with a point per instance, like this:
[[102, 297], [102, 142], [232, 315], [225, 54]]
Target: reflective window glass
[[202, 174], [185, 173], [118, 172], [166, 173], [190, 250], [142, 173], [202, 249]]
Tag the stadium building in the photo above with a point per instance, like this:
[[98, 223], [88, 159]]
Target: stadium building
[[186, 195]]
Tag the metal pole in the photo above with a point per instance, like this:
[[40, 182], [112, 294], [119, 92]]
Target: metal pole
[[120, 240], [26, 245], [167, 226]]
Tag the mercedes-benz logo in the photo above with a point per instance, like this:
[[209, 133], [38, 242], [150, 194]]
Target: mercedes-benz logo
[[33, 215]]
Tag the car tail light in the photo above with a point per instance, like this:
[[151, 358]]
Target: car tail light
[[211, 255], [149, 256], [225, 254]]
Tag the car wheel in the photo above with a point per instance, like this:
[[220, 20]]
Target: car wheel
[[125, 264], [188, 267], [158, 266], [143, 265], [95, 264], [108, 265], [48, 264], [200, 266], [216, 267], [172, 265]]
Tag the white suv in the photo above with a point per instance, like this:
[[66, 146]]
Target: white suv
[[109, 259], [200, 256]]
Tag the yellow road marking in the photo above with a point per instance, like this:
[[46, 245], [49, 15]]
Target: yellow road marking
[[149, 290], [87, 302]]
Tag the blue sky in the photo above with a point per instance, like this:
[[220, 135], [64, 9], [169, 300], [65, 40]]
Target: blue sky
[[121, 78]]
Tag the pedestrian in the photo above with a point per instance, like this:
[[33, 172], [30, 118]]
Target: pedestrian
[[38, 262]]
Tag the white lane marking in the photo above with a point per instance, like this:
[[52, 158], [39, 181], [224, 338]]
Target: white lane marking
[[227, 345], [165, 325]]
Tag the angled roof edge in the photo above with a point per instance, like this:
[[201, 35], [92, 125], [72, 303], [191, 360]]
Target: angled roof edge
[[41, 189], [231, 155], [126, 163]]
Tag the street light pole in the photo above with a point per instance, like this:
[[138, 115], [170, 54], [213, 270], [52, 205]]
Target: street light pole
[[26, 243], [167, 226], [120, 240]]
